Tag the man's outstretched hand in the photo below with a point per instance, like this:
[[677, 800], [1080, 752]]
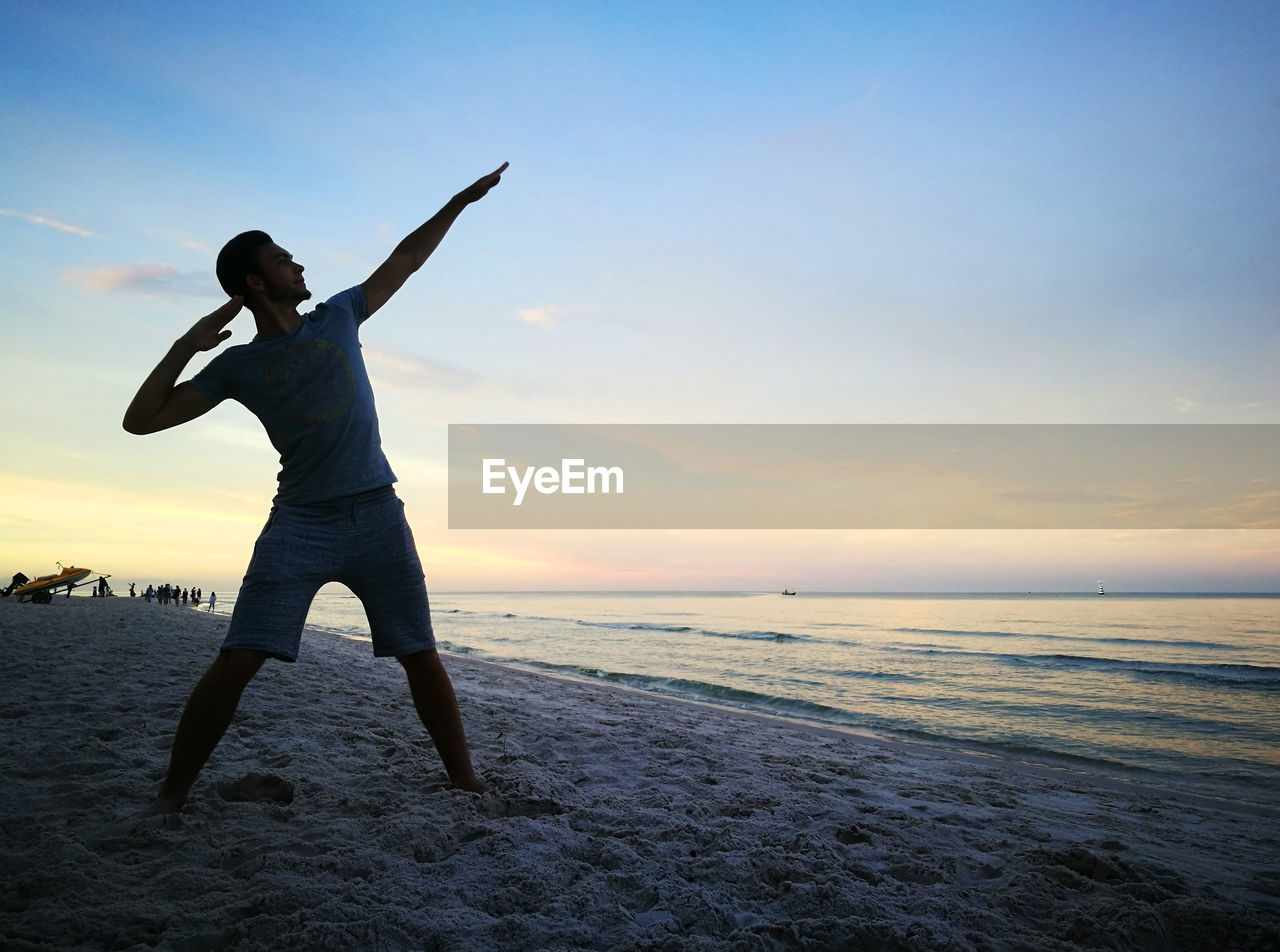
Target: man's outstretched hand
[[207, 333], [413, 252], [480, 187]]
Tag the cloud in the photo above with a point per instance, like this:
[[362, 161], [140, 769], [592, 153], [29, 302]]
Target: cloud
[[1248, 511], [48, 223], [344, 259], [142, 278], [186, 241], [544, 317], [407, 372]]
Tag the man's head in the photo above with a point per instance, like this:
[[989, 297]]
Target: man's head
[[255, 267]]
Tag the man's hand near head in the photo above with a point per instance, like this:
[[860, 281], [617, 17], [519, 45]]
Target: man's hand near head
[[159, 404], [208, 332]]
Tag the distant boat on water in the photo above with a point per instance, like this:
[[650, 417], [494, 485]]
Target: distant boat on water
[[1101, 590], [788, 591]]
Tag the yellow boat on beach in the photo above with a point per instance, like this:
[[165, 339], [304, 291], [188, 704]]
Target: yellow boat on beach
[[51, 583]]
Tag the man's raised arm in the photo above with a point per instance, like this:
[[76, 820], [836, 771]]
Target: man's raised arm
[[159, 404], [414, 250]]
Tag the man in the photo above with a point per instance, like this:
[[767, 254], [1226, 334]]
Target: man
[[335, 516]]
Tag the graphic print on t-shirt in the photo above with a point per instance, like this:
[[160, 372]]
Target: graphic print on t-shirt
[[311, 380]]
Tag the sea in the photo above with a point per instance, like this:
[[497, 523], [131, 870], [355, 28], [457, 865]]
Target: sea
[[1178, 690]]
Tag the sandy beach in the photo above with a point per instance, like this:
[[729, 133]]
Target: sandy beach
[[616, 819]]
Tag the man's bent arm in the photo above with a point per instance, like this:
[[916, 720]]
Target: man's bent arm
[[413, 252], [159, 404]]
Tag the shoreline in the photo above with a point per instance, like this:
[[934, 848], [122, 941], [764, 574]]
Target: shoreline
[[1116, 775], [1083, 773], [619, 819]]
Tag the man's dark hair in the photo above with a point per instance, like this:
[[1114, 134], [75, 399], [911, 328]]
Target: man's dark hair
[[238, 258]]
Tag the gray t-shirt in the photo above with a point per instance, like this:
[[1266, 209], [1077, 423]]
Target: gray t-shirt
[[311, 391]]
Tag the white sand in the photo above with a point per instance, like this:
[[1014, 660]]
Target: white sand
[[618, 821]]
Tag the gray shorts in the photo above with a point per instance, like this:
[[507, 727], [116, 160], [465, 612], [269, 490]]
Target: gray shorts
[[362, 541]]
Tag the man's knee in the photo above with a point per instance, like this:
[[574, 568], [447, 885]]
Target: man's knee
[[420, 660], [239, 664]]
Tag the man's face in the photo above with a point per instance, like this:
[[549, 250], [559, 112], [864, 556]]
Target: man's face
[[281, 276]]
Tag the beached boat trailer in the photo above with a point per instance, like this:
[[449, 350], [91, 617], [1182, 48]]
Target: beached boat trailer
[[42, 590]]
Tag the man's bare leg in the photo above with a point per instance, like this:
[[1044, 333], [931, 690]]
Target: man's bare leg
[[438, 708], [205, 719]]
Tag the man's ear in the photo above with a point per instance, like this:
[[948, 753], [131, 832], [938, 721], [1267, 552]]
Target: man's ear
[[254, 283]]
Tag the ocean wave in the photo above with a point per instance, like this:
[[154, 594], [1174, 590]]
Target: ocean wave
[[450, 648], [1247, 675], [1260, 677], [1020, 749], [630, 625], [757, 635], [860, 674], [961, 631], [1043, 636], [1211, 645], [693, 689], [766, 635], [680, 629]]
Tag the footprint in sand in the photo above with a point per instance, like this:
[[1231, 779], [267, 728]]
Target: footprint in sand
[[500, 807], [120, 833], [257, 788]]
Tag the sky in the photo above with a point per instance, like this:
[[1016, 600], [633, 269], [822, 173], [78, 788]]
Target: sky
[[985, 212]]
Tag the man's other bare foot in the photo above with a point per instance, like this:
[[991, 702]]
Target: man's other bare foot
[[163, 806], [109, 835]]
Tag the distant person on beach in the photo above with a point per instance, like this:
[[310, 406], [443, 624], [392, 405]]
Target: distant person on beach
[[213, 600], [304, 378]]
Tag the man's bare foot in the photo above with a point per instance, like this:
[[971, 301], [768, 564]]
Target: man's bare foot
[[471, 784]]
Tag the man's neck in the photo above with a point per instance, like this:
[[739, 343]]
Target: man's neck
[[275, 318]]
